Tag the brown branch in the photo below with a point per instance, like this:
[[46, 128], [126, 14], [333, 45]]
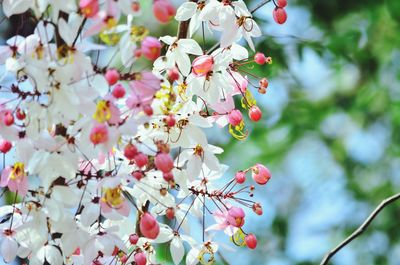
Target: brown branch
[[183, 27], [361, 229]]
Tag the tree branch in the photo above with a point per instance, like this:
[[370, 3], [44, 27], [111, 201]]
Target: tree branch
[[261, 4], [361, 229]]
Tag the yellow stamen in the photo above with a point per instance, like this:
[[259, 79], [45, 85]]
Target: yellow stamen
[[103, 112]]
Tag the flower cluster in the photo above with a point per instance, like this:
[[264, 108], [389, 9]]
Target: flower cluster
[[109, 161]]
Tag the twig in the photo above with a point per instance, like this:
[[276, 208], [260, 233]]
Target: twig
[[259, 6], [361, 228]]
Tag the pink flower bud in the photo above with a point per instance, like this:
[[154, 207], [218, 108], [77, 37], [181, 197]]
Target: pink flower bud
[[99, 134], [148, 110], [140, 258], [163, 10], [279, 15], [240, 177], [133, 239], [260, 174], [235, 117], [112, 76], [170, 120], [251, 241], [137, 53], [8, 118], [149, 226], [255, 113], [235, 216], [164, 162], [168, 176], [137, 175], [5, 146], [202, 65], [130, 151], [263, 83], [170, 213], [124, 259], [141, 159], [151, 48], [135, 6], [281, 3], [259, 58], [20, 114], [257, 208], [118, 91], [173, 74], [89, 8]]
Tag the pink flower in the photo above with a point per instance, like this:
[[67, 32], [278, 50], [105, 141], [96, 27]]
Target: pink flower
[[260, 174], [149, 226], [89, 8], [163, 10], [151, 48], [235, 117], [239, 82], [235, 216], [15, 179], [164, 162], [99, 134], [202, 65], [144, 86], [112, 199]]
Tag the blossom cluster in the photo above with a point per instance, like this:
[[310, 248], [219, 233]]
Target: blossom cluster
[[107, 160]]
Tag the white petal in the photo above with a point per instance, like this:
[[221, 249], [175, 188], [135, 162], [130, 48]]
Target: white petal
[[11, 7], [190, 46], [168, 39], [53, 255], [191, 258], [177, 249], [186, 11], [183, 62], [9, 249]]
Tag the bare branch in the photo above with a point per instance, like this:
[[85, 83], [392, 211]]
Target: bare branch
[[261, 4], [361, 229]]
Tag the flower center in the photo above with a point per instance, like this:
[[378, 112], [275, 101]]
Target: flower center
[[103, 112], [198, 150], [113, 197], [18, 171]]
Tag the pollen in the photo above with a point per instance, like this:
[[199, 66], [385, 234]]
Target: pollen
[[103, 112], [198, 150], [113, 197], [18, 171]]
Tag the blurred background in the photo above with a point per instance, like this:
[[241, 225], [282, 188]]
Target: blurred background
[[330, 132]]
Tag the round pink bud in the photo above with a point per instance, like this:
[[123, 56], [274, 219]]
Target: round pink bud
[[163, 10], [170, 213], [173, 74], [112, 76], [89, 8], [20, 114], [251, 241], [151, 48], [137, 175], [5, 146], [140, 258], [124, 259], [8, 118], [148, 110], [240, 177], [168, 176], [257, 208], [279, 15], [170, 120], [141, 159], [135, 6], [202, 65], [281, 3], [137, 53], [260, 174], [259, 58], [164, 162], [235, 216], [255, 113], [133, 239], [130, 151], [149, 226], [235, 117], [263, 83], [99, 134], [118, 91]]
